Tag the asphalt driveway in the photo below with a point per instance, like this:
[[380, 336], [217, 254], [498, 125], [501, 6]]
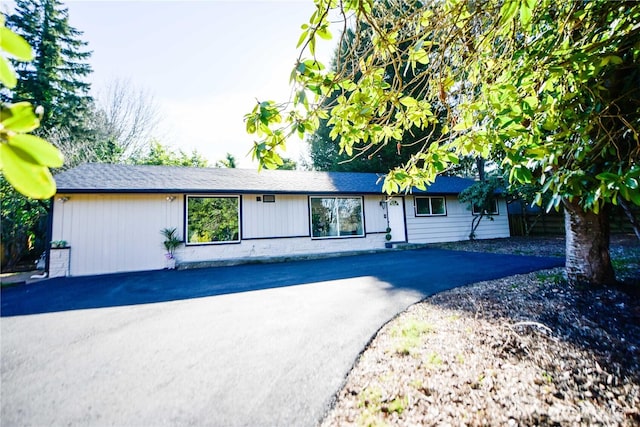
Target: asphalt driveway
[[247, 345]]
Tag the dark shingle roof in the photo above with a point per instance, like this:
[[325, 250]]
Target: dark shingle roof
[[106, 178]]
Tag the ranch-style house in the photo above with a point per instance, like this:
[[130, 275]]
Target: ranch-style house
[[108, 218]]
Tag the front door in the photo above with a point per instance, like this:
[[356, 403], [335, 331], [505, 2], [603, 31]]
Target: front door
[[395, 217]]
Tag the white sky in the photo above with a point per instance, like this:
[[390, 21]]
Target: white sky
[[204, 62]]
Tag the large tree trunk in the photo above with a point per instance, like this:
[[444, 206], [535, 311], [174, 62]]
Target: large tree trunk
[[587, 238]]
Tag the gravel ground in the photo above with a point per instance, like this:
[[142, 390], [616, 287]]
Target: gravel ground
[[523, 350]]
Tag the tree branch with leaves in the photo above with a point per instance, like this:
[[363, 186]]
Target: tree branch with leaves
[[553, 86]]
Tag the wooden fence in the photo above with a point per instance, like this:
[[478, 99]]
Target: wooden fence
[[552, 223]]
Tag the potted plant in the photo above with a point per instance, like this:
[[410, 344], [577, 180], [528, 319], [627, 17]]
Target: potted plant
[[171, 243], [59, 244], [388, 243]]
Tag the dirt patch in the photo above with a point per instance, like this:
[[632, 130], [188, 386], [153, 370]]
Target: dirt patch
[[523, 350]]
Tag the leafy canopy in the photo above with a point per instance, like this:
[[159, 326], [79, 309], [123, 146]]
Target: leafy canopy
[[554, 86], [160, 154]]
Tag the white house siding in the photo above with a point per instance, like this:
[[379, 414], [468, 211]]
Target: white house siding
[[374, 215], [282, 228], [454, 226], [111, 233], [288, 216]]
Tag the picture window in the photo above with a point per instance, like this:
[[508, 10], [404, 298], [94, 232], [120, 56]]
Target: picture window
[[213, 219], [335, 217]]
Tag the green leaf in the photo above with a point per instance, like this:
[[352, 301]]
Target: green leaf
[[313, 64], [554, 202], [419, 55], [312, 45], [408, 101], [631, 183], [524, 175], [7, 76], [40, 150], [324, 33], [28, 178], [615, 60], [15, 45], [531, 102], [251, 126], [508, 11], [462, 126], [347, 85], [607, 177], [302, 38], [526, 9], [19, 117]]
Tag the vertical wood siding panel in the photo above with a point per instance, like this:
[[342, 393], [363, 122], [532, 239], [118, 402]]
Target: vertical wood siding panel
[[68, 233], [287, 217], [115, 233], [128, 226], [57, 223], [103, 222], [80, 225], [82, 232], [375, 221], [456, 225], [82, 213], [99, 225]]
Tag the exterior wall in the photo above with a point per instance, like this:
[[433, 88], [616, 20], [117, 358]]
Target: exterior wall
[[288, 216], [375, 218], [455, 225], [111, 233], [282, 228]]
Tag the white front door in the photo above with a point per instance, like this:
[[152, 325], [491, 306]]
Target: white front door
[[395, 215]]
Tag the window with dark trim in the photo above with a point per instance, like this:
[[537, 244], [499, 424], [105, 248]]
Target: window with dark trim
[[336, 217], [490, 209], [213, 219], [268, 198], [430, 206]]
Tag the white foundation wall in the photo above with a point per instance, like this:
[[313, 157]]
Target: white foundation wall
[[454, 226], [111, 233], [277, 248]]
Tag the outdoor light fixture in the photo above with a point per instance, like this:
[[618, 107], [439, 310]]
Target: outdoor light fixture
[[63, 199], [171, 198]]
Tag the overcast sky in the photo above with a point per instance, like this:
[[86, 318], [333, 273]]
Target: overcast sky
[[205, 62]]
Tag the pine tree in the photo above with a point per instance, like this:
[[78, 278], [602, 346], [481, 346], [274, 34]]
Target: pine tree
[[56, 79]]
